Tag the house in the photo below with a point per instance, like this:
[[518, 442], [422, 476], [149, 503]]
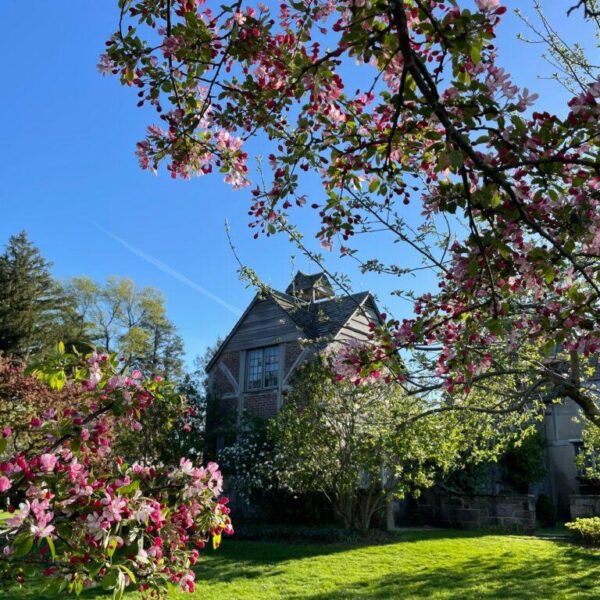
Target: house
[[251, 370], [562, 429]]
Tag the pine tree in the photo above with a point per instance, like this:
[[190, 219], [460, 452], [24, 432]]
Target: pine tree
[[29, 298]]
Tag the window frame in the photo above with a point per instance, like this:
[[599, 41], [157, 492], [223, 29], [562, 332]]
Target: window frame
[[270, 356]]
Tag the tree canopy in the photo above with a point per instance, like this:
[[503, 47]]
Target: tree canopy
[[390, 103]]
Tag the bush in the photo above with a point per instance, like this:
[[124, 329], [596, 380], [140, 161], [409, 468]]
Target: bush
[[586, 530], [308, 535], [523, 462], [545, 511]]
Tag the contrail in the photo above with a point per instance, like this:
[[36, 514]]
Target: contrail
[[169, 270]]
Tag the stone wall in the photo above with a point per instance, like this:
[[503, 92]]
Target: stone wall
[[443, 509], [584, 506]]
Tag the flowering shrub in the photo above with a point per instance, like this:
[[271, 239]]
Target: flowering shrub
[[248, 463], [587, 530], [116, 526], [22, 399]]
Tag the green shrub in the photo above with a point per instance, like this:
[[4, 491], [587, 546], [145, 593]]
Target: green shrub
[[545, 511], [308, 535], [586, 530]]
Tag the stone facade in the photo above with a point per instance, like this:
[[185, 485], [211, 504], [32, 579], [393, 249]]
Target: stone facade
[[443, 509], [584, 506]]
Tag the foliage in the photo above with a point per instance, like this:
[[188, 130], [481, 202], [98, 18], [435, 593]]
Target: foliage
[[36, 312], [360, 445], [587, 530], [109, 524], [121, 317], [32, 304], [22, 399], [247, 463], [171, 430], [391, 103], [517, 464], [587, 459], [471, 479], [523, 462]]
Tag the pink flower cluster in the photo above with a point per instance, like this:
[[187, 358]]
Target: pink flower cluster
[[89, 507]]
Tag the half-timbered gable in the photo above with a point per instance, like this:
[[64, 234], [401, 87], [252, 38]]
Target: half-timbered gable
[[278, 331]]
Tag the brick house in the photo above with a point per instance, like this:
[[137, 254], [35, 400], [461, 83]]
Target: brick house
[[251, 370], [278, 331]]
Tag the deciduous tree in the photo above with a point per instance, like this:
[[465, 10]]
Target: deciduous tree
[[392, 103], [363, 444]]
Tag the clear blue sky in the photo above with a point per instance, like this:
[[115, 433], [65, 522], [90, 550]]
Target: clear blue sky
[[66, 155]]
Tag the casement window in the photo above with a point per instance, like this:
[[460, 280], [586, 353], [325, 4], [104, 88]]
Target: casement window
[[262, 368]]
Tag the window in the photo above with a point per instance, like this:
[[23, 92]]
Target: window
[[262, 368]]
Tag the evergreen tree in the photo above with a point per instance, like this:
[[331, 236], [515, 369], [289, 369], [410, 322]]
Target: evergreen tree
[[30, 300]]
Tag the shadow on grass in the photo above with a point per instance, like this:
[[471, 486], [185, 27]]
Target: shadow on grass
[[572, 577], [570, 574]]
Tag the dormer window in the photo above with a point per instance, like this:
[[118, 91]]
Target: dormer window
[[262, 368]]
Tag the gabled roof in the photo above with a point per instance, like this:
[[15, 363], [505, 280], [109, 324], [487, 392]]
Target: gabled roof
[[321, 320], [303, 282]]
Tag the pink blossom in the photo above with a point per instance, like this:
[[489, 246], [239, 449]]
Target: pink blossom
[[106, 65], [47, 462], [4, 483], [20, 516], [42, 531], [487, 5]]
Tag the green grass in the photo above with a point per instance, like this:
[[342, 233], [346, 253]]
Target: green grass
[[426, 564]]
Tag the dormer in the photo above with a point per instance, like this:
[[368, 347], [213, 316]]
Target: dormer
[[310, 288]]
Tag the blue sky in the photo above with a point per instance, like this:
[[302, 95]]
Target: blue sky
[[70, 178]]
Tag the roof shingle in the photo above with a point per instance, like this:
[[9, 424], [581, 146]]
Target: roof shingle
[[320, 319]]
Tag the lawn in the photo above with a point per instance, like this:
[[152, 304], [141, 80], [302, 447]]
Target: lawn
[[430, 564]]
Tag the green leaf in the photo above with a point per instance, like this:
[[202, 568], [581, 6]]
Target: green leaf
[[58, 380], [94, 568], [120, 588], [61, 348], [112, 546], [23, 545], [128, 489], [374, 185], [549, 275], [110, 579], [476, 53], [129, 573], [496, 200], [50, 543]]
